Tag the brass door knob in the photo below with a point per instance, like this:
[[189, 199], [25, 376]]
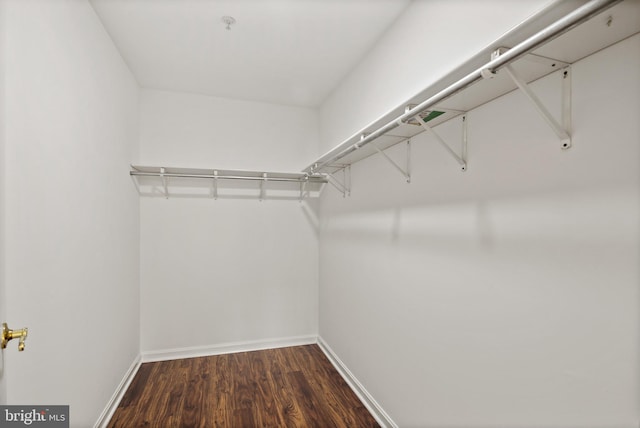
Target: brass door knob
[[8, 334]]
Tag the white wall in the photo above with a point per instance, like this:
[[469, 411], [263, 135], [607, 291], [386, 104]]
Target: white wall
[[72, 212], [222, 271], [507, 295], [416, 51]]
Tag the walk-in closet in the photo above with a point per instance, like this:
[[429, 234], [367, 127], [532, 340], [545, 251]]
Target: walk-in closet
[[349, 213]]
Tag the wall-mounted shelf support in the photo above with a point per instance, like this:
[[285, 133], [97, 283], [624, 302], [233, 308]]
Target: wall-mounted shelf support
[[566, 101], [462, 158], [406, 172], [343, 186], [561, 131], [164, 183], [346, 176], [215, 184], [335, 183], [264, 180], [303, 187]]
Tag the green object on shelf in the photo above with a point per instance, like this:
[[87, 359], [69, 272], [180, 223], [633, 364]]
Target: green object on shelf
[[432, 115]]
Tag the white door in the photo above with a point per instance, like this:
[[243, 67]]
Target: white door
[[3, 385]]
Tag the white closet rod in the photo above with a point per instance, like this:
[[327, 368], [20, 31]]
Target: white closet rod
[[301, 179], [547, 34]]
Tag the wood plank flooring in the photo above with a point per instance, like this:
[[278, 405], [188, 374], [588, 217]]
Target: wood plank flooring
[[285, 387]]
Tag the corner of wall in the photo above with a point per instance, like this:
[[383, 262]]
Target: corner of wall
[[361, 392], [114, 401]]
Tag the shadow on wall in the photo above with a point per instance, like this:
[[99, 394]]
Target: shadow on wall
[[484, 228], [597, 217], [310, 209]]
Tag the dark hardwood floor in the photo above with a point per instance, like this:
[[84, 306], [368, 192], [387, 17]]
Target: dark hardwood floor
[[285, 387]]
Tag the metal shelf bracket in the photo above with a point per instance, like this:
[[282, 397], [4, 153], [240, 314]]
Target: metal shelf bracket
[[343, 187], [215, 185], [406, 172], [561, 130], [262, 192], [164, 183], [303, 187], [462, 158]]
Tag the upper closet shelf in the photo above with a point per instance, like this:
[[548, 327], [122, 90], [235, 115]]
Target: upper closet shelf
[[534, 49], [224, 183], [548, 42]]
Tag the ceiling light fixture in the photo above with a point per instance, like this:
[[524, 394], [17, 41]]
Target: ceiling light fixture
[[228, 21]]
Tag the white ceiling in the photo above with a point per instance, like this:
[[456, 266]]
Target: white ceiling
[[291, 52]]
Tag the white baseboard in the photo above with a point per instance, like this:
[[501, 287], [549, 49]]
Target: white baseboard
[[369, 402], [226, 348], [111, 407]]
